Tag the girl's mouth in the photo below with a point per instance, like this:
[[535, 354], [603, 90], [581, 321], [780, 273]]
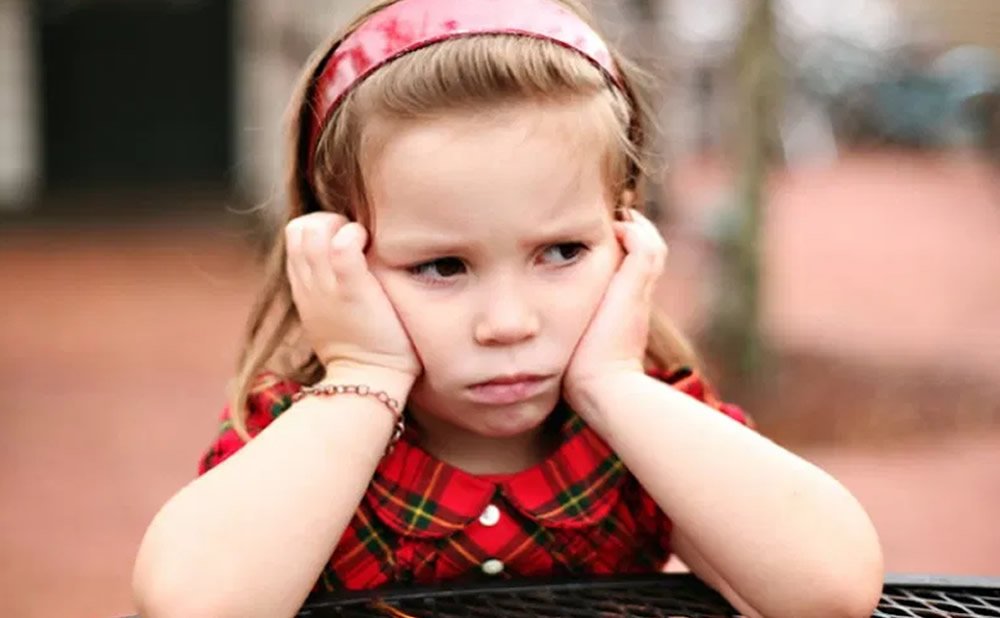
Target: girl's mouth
[[510, 389]]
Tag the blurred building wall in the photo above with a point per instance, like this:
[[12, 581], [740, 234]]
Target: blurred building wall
[[18, 112], [273, 41]]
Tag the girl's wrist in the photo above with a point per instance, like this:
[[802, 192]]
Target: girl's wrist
[[396, 384], [592, 398]]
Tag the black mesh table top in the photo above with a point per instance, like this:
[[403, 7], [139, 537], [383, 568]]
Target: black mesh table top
[[653, 596]]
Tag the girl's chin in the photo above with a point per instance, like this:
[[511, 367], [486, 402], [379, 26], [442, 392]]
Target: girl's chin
[[507, 430], [510, 421], [487, 421]]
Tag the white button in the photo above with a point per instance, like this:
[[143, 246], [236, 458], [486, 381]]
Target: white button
[[492, 567], [490, 516]]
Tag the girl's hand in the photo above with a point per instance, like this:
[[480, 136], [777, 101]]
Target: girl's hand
[[346, 316], [616, 339]]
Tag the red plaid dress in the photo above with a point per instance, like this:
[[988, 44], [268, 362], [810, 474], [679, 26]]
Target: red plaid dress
[[423, 521]]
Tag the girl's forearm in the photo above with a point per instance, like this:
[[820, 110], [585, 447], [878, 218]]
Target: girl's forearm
[[783, 534], [251, 536]]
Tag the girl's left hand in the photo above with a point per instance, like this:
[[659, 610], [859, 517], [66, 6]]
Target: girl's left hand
[[616, 339]]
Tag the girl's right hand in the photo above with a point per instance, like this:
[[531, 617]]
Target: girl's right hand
[[346, 316]]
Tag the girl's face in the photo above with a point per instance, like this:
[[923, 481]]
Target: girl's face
[[493, 240]]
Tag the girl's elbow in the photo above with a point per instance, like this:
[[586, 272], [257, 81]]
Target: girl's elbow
[[157, 606], [857, 590], [857, 593], [860, 602], [864, 599], [848, 586], [871, 578], [161, 590], [857, 600], [163, 600]]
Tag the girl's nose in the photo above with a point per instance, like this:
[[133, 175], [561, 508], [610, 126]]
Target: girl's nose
[[506, 319]]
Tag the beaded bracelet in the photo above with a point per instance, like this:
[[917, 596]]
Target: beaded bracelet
[[362, 390]]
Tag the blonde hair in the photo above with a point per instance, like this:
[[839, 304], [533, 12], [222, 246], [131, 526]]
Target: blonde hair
[[460, 74]]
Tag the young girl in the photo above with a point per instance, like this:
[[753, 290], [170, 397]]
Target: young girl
[[462, 376]]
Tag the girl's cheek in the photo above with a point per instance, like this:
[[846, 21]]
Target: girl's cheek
[[398, 290]]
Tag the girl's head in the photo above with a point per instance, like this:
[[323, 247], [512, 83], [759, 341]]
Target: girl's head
[[488, 169]]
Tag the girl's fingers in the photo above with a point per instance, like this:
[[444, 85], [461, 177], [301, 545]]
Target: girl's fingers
[[295, 265], [319, 230], [347, 256], [651, 235], [635, 268], [655, 243], [645, 255], [343, 312]]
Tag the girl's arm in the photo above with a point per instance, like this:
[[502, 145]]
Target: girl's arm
[[774, 534], [251, 536]]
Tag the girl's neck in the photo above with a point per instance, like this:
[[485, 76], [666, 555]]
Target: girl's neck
[[480, 455]]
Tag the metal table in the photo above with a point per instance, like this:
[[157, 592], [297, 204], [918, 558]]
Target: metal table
[[647, 596]]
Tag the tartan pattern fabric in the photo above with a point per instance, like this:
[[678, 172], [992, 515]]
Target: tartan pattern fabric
[[579, 512]]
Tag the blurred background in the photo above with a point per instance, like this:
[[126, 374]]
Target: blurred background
[[830, 192]]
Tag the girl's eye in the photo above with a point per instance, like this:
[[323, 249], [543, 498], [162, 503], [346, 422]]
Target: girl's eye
[[564, 253], [444, 268]]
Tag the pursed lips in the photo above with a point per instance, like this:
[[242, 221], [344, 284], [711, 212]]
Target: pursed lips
[[513, 379], [509, 389]]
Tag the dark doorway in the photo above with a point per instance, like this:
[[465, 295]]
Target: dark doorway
[[137, 95]]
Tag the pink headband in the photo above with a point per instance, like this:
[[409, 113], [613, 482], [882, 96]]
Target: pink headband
[[409, 25]]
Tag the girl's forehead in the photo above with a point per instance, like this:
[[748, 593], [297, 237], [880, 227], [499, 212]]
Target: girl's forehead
[[440, 186], [449, 234], [544, 156]]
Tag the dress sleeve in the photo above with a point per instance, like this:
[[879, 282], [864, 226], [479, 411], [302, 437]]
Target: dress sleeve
[[691, 383], [269, 396]]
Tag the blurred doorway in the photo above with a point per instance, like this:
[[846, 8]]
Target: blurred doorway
[[137, 96]]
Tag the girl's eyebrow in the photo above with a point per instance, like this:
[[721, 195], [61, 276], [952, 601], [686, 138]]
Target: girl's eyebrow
[[418, 242], [415, 244], [566, 230]]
